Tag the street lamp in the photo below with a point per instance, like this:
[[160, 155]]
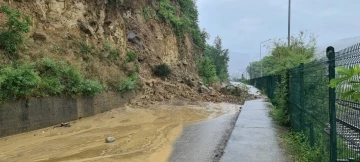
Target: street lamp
[[289, 11], [261, 74]]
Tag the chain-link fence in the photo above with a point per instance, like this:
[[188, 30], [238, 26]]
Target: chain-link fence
[[330, 123]]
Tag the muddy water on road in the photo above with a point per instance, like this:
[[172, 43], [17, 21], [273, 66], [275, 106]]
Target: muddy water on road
[[141, 135]]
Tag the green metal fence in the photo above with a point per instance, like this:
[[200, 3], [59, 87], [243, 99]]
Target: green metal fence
[[330, 123], [267, 84], [347, 110]]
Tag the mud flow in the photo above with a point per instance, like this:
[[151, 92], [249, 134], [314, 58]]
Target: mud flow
[[141, 135]]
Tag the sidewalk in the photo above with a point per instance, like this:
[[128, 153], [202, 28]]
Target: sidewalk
[[255, 137]]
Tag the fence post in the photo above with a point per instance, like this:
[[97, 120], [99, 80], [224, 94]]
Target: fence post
[[302, 95], [312, 138], [330, 53], [288, 102]]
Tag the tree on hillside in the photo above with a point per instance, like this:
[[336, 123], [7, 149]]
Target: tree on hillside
[[220, 58], [207, 71]]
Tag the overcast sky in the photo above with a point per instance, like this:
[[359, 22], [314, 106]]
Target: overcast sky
[[243, 24]]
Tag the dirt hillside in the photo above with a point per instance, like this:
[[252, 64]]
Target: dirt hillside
[[61, 27], [89, 34]]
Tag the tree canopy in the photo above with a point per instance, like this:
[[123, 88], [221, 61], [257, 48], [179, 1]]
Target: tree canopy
[[215, 62], [282, 57]]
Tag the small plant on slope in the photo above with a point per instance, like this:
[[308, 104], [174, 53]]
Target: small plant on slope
[[11, 39], [162, 70]]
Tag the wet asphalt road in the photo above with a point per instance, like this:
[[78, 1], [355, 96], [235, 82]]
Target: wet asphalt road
[[205, 141]]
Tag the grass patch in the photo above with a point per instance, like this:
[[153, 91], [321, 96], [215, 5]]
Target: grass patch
[[299, 147], [110, 51], [85, 49]]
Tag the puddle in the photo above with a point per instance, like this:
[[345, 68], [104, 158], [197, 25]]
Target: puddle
[[141, 135]]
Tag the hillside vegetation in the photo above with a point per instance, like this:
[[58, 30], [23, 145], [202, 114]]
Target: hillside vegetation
[[86, 48]]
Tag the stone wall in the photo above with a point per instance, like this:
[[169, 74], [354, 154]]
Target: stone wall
[[35, 113]]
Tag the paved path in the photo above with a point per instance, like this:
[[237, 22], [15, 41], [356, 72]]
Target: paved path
[[255, 137], [204, 141]]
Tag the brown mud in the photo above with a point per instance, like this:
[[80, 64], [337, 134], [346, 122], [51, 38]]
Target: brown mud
[[142, 134]]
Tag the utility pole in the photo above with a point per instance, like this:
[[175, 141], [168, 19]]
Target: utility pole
[[261, 73], [289, 11]]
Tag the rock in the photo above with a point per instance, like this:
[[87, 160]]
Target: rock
[[132, 37], [133, 101], [149, 83], [63, 125], [39, 36], [201, 83], [86, 28], [110, 139], [144, 97], [211, 89], [167, 97], [204, 89]]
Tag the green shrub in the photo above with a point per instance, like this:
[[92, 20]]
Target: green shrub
[[162, 70], [146, 12], [167, 12], [47, 68], [50, 87], [11, 38], [280, 112], [128, 83], [67, 79], [187, 22], [280, 116], [190, 19], [149, 13], [44, 78], [91, 87], [71, 78], [17, 82], [131, 56]]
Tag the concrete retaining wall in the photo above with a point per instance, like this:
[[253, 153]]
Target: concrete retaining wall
[[27, 115]]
